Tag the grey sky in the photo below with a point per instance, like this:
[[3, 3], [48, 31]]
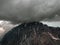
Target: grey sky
[[18, 11], [52, 24]]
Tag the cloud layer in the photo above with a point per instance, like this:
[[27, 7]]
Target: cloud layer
[[5, 26], [18, 11]]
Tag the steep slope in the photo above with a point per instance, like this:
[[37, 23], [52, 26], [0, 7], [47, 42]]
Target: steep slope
[[33, 33]]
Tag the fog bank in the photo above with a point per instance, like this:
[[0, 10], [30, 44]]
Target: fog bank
[[18, 11]]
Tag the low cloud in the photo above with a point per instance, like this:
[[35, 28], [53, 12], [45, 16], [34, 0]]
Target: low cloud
[[5, 26], [18, 11]]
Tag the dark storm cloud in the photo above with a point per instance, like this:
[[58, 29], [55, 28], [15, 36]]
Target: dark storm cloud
[[28, 10], [56, 18]]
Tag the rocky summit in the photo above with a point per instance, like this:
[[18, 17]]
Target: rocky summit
[[33, 33]]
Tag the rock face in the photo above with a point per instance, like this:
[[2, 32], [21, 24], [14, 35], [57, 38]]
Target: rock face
[[33, 33]]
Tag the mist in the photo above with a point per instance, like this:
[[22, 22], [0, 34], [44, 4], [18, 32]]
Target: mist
[[20, 11], [5, 26]]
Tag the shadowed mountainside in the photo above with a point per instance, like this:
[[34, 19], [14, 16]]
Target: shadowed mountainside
[[33, 33]]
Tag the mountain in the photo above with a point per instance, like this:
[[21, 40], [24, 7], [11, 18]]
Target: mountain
[[33, 33]]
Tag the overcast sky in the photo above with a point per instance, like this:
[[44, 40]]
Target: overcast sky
[[53, 23], [19, 11]]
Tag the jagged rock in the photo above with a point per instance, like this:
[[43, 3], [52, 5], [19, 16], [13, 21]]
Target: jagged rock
[[31, 33]]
